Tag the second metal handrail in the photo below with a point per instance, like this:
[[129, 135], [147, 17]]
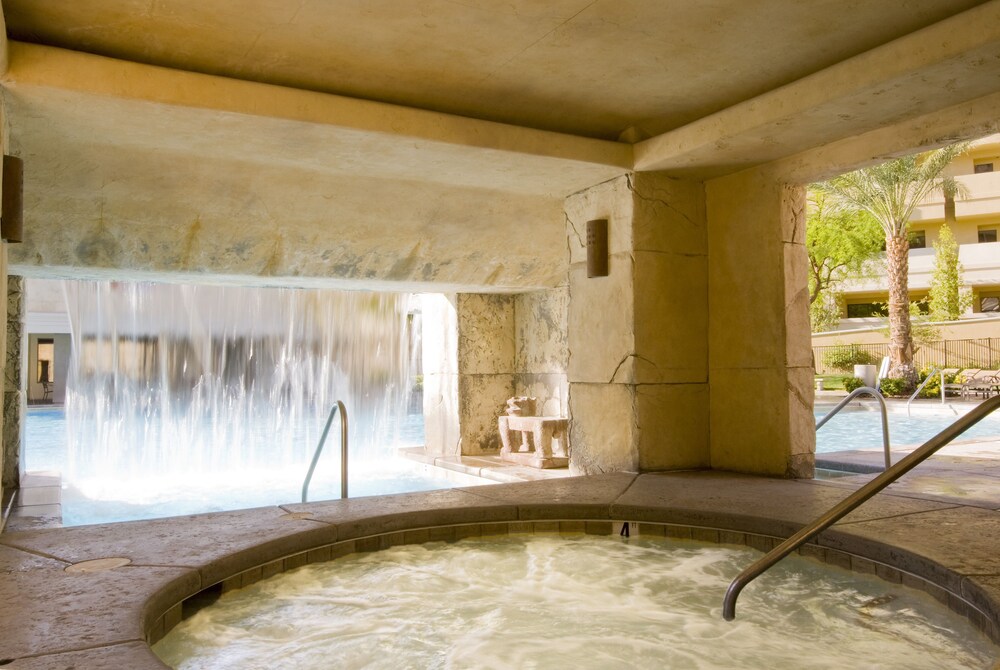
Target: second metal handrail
[[920, 388], [885, 419], [319, 449], [853, 501]]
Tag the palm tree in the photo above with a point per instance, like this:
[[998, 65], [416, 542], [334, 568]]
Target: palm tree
[[890, 192]]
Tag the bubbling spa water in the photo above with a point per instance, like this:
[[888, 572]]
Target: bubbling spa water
[[175, 386], [571, 602]]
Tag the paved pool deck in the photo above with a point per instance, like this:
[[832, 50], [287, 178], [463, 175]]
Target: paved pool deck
[[66, 607]]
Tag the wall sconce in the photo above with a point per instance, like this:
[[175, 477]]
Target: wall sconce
[[597, 248], [12, 200]]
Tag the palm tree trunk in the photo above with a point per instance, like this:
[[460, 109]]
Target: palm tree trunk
[[897, 261]]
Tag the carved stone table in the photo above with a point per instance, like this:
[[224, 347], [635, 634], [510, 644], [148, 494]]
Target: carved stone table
[[541, 441]]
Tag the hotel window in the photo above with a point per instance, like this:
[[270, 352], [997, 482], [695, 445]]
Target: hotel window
[[866, 309], [918, 239], [46, 354], [983, 167], [989, 304], [987, 235]]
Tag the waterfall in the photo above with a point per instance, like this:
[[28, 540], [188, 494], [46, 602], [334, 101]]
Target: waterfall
[[205, 384]]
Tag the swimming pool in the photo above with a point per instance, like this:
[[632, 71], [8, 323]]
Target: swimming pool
[[571, 601], [92, 497], [861, 428]]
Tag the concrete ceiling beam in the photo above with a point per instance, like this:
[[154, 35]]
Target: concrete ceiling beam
[[958, 57], [419, 142]]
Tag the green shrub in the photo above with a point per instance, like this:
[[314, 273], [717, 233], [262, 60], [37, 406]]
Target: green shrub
[[853, 383], [895, 387], [846, 356], [933, 388]]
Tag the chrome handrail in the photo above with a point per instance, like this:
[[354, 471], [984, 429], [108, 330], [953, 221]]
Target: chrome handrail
[[885, 418], [920, 388], [343, 451], [853, 501]]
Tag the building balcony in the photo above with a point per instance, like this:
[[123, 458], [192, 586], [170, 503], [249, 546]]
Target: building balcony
[[982, 199], [980, 267]]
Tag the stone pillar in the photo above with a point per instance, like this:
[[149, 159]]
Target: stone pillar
[[638, 354], [541, 349], [14, 404], [3, 341], [760, 364], [468, 363]]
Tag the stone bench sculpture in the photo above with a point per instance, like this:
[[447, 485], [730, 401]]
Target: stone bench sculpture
[[543, 441]]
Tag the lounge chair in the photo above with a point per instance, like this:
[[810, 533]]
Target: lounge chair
[[958, 387], [986, 383]]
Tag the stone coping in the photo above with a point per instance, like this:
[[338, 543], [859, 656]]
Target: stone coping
[[96, 596]]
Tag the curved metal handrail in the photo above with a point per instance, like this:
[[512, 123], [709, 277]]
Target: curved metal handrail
[[920, 388], [319, 449], [853, 501], [885, 418]]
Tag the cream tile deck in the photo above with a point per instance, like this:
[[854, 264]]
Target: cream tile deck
[[56, 619]]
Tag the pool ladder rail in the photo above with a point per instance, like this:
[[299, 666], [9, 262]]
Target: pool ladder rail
[[855, 500], [920, 388], [885, 419], [319, 449]]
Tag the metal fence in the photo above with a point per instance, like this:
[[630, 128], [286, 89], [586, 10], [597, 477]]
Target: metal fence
[[979, 353]]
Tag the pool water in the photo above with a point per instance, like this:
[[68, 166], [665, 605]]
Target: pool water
[[89, 499], [862, 429], [571, 602]]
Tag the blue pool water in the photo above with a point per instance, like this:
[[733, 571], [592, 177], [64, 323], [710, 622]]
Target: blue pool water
[[89, 499], [862, 429]]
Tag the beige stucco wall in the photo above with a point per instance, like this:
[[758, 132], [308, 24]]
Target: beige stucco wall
[[760, 369], [637, 338], [949, 330], [541, 349], [3, 347], [468, 344], [480, 350]]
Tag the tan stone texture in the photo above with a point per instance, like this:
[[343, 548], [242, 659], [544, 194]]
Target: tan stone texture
[[645, 325], [746, 274], [541, 356], [485, 334], [611, 200], [761, 394], [601, 322], [671, 313], [550, 390], [14, 402], [603, 428], [669, 214], [672, 426], [4, 465], [481, 400], [749, 420], [540, 319]]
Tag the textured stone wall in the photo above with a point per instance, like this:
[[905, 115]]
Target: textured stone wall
[[468, 359], [638, 382], [486, 367], [541, 351], [760, 365], [13, 389], [3, 340]]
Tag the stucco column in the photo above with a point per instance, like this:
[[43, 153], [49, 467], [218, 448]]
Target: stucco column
[[638, 356], [760, 363], [14, 377], [3, 341], [468, 364]]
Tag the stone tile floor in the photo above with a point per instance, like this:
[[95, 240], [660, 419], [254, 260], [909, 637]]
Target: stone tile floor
[[62, 611]]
